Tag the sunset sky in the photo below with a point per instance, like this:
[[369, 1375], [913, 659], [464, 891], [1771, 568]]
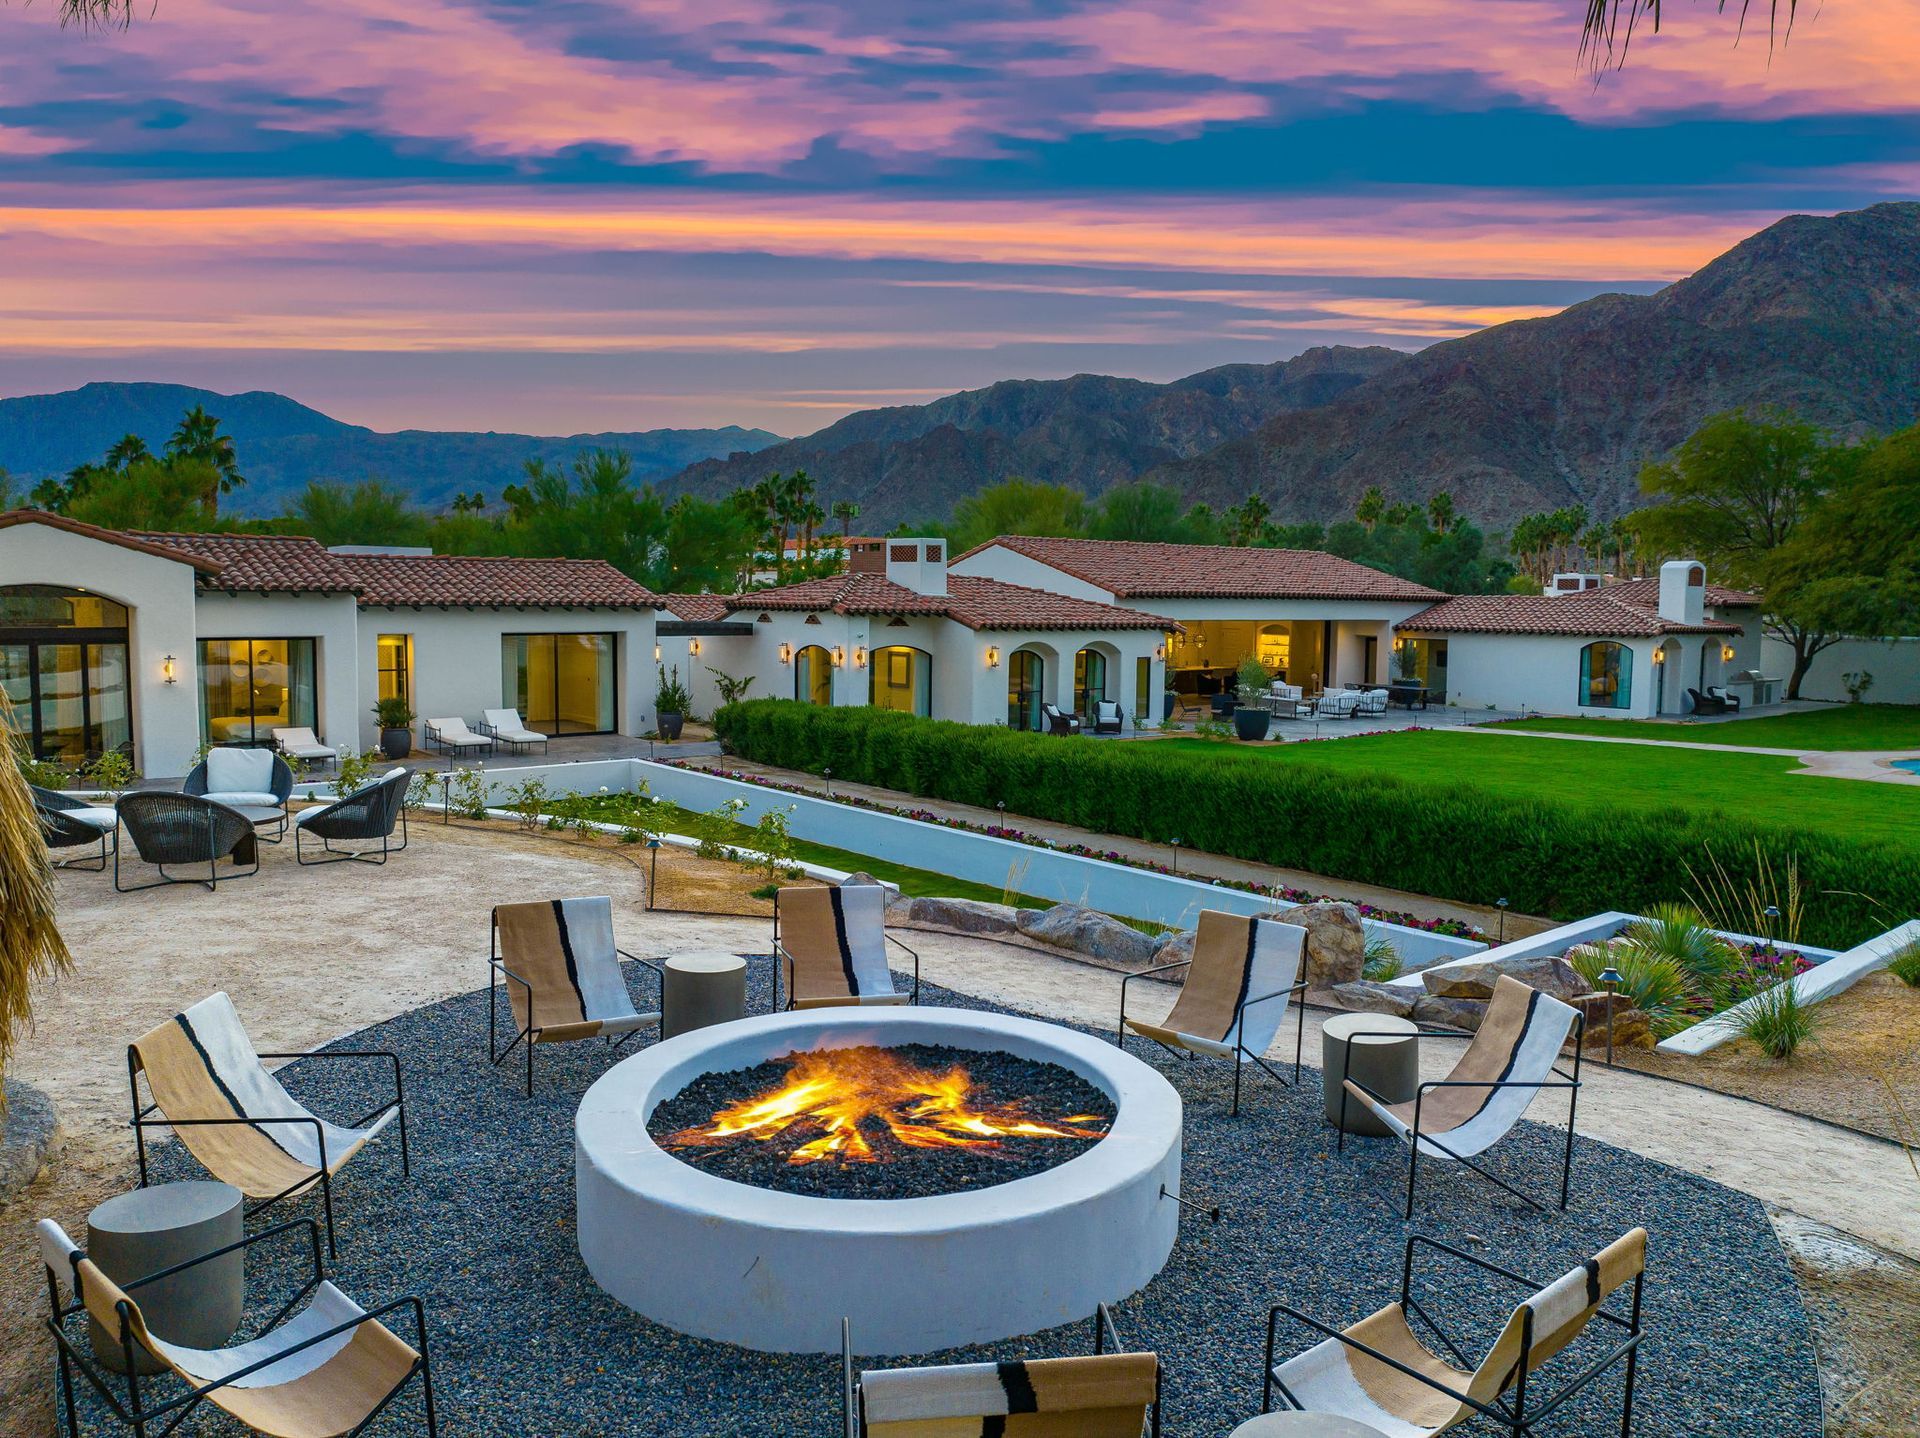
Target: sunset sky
[[559, 215]]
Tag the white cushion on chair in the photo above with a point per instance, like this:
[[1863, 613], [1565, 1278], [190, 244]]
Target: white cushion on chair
[[94, 816], [245, 798], [240, 771]]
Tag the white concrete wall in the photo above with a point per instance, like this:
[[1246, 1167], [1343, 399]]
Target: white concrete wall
[[328, 619], [160, 595], [1894, 664]]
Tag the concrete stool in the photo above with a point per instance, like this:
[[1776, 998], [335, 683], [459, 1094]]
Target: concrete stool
[[702, 989], [1303, 1425], [149, 1229], [1389, 1066]]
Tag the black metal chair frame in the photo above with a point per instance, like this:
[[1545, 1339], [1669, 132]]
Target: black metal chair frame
[[1732, 701], [143, 1120], [518, 746], [1514, 1418], [497, 970], [363, 795], [457, 747], [1241, 1053], [783, 966], [64, 833], [241, 842], [196, 784], [1105, 1330], [140, 1415], [1568, 1081]]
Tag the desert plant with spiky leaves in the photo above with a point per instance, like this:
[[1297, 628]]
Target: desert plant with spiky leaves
[[30, 944], [1656, 985], [1778, 1020]]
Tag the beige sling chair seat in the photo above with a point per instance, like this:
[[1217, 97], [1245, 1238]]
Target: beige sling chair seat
[[327, 1371], [1511, 1061], [830, 947], [1107, 1395], [558, 962], [1243, 972], [210, 1088], [1380, 1373]]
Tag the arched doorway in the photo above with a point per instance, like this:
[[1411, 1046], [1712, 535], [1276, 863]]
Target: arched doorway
[[63, 662], [1026, 688], [901, 677], [1089, 679], [813, 675], [1606, 675]]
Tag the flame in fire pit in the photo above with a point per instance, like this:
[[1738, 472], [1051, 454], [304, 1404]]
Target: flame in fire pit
[[840, 1092]]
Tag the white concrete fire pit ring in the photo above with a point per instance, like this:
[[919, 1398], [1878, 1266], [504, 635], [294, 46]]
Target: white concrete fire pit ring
[[776, 1272]]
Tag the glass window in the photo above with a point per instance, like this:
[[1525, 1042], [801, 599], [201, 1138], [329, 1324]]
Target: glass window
[[813, 675], [1026, 684], [1142, 688], [45, 606], [1089, 680], [560, 683], [900, 677], [250, 687], [394, 661], [1606, 675], [63, 663]]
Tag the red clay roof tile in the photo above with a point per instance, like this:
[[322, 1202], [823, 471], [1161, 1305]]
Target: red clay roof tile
[[1130, 569]]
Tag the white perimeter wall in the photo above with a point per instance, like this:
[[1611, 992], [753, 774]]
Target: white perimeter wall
[[1894, 664]]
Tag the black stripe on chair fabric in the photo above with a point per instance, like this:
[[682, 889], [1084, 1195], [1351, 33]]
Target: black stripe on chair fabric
[[264, 1130], [566, 952], [1020, 1395], [840, 938]]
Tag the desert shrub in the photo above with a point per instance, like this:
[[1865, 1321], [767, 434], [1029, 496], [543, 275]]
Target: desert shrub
[[1658, 986], [1559, 855], [1681, 935], [1778, 1021], [1905, 964], [1382, 961], [113, 773]]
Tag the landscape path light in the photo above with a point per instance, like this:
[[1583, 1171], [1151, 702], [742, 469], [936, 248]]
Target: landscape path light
[[1501, 905], [1610, 979], [653, 867]]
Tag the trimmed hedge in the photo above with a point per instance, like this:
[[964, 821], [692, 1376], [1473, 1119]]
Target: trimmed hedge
[[1561, 859]]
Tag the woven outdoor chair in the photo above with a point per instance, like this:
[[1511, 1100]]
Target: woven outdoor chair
[[329, 1370], [70, 823], [1512, 1059], [1239, 982], [184, 829], [1111, 1394], [561, 968], [244, 776], [1379, 1372], [210, 1088], [830, 948], [368, 813]]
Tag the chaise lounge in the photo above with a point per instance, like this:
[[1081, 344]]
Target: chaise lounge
[[452, 736], [503, 726]]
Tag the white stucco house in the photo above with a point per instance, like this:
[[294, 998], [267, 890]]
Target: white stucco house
[[157, 643]]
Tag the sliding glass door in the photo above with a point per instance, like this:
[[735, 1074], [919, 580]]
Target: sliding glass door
[[560, 683], [250, 687], [63, 663]]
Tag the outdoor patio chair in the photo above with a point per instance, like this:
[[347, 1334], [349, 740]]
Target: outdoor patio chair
[[561, 969], [328, 1370], [452, 736], [71, 823], [243, 779], [1706, 703], [184, 829], [503, 726], [1370, 704], [1108, 718], [1335, 703], [1511, 1060], [1380, 1373], [830, 947], [1110, 1394], [1059, 721], [1243, 972], [208, 1085], [368, 813], [304, 745], [1731, 701]]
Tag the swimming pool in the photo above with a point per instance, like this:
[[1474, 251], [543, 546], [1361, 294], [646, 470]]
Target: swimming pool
[[1912, 766]]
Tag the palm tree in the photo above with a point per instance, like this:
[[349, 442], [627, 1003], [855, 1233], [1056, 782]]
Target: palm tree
[[30, 944], [198, 436], [1441, 513], [1610, 24], [846, 511], [1371, 508]]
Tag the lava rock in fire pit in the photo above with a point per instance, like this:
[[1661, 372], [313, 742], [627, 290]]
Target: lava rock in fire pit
[[912, 1121]]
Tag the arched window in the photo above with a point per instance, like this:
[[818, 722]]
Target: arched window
[[813, 675], [901, 677], [1606, 676], [1089, 679], [1026, 687], [63, 663]]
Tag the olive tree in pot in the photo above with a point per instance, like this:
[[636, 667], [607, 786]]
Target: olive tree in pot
[[672, 702], [395, 718], [1251, 718]]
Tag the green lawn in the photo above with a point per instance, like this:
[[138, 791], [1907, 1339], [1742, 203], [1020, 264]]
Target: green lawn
[[1759, 787], [1842, 726]]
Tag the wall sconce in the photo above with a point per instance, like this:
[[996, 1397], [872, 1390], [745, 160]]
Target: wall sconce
[[693, 648], [166, 670], [1726, 654], [1159, 651], [1659, 656], [859, 656], [839, 657], [656, 654], [786, 654], [993, 657]]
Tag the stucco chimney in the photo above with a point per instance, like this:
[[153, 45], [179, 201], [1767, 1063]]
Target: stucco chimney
[[1683, 591], [918, 564]]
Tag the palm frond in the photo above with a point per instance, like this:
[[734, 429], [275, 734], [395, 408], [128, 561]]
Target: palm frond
[[30, 943], [1611, 24]]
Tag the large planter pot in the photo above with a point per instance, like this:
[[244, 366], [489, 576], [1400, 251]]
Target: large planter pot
[[1251, 723], [396, 743], [1167, 705], [670, 724]]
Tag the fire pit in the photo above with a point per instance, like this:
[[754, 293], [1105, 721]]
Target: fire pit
[[938, 1175]]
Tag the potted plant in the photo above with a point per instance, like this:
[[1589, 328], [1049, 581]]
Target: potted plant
[[1251, 717], [395, 717], [672, 701]]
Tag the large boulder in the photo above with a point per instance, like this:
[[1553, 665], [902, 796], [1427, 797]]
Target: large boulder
[[965, 916], [1632, 1028], [1365, 996], [1175, 947], [1449, 1013], [1336, 943], [1088, 932], [1548, 973]]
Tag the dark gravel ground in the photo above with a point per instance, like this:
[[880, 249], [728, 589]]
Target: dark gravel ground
[[523, 1342]]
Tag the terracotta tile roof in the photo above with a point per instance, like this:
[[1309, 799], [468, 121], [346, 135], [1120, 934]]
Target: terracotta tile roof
[[697, 606], [460, 580], [106, 536], [1646, 594], [975, 602], [265, 562], [1130, 569], [1593, 612]]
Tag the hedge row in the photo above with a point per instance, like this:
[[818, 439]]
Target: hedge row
[[1563, 859]]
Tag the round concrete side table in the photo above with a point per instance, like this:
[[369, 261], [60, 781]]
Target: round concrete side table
[[1303, 1425], [142, 1232], [702, 989], [1386, 1060]]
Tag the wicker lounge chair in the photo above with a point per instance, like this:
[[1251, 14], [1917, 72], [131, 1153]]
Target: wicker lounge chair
[[304, 745], [452, 736], [1238, 983], [329, 1370], [561, 969], [1707, 703], [368, 813], [1380, 1373], [830, 948], [244, 778], [1059, 721], [70, 823], [1512, 1058], [1111, 1394], [503, 726], [1108, 717], [184, 829], [209, 1086]]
